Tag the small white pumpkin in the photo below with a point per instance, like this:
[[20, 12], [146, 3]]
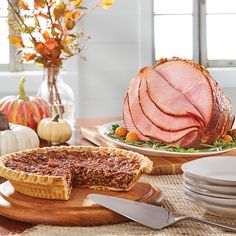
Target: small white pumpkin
[[15, 138], [54, 130]]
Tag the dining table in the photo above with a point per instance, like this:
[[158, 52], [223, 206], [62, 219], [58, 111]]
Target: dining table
[[173, 199]]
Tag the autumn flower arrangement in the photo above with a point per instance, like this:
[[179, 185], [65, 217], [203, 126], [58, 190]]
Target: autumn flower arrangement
[[47, 33]]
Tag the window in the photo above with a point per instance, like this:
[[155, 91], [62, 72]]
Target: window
[[8, 57], [4, 44], [203, 30]]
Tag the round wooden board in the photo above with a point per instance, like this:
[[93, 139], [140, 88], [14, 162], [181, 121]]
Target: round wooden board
[[78, 210]]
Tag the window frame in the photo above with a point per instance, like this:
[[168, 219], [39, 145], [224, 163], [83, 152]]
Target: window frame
[[13, 65], [5, 67], [200, 38]]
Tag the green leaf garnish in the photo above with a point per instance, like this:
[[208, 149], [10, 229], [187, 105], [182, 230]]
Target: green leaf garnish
[[113, 129], [216, 146]]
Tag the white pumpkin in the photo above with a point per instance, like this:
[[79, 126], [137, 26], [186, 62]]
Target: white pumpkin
[[15, 138], [54, 130]]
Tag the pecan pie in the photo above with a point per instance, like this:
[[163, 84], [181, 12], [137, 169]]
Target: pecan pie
[[52, 172]]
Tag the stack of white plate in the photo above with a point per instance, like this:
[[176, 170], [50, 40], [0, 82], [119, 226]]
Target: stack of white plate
[[211, 183]]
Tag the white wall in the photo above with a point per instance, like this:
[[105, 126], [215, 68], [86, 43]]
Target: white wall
[[113, 58]]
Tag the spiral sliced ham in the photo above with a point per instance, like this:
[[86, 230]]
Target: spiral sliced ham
[[157, 116], [166, 96], [177, 102], [143, 124], [129, 122]]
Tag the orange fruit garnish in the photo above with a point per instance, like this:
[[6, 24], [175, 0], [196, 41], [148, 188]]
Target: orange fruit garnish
[[121, 131], [131, 136], [227, 138]]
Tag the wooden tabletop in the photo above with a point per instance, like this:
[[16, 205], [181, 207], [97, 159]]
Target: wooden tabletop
[[10, 226]]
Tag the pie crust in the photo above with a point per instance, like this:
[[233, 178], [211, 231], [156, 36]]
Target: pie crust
[[57, 187]]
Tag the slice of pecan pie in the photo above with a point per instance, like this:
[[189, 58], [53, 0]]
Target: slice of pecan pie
[[52, 172]]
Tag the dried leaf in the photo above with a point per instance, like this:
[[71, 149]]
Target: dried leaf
[[72, 35], [46, 35], [77, 3], [70, 24], [14, 27], [68, 51], [51, 44], [39, 47], [67, 14], [39, 3], [58, 11], [57, 26], [23, 5], [43, 15], [55, 53], [18, 52], [106, 4], [75, 15], [67, 41], [29, 56], [37, 24], [39, 60], [30, 29], [16, 40]]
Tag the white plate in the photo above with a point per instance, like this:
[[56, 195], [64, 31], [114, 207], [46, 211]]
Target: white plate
[[229, 212], [206, 192], [225, 202], [218, 170], [106, 128], [212, 188]]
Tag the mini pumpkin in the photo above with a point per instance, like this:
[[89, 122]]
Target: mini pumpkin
[[54, 130], [15, 138], [24, 110]]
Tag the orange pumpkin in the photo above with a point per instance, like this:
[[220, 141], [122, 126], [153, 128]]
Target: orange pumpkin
[[24, 110]]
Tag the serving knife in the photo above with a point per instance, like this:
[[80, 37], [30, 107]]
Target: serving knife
[[146, 214]]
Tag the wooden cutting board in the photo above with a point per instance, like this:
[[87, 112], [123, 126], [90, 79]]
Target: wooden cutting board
[[161, 165], [78, 210]]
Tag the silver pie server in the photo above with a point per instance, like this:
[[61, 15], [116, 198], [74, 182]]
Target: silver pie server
[[146, 214]]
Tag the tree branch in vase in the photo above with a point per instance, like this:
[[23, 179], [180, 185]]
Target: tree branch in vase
[[48, 33]]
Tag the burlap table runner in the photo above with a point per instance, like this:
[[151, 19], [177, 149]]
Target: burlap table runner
[[171, 186]]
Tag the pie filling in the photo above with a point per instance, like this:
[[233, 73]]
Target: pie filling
[[79, 167]]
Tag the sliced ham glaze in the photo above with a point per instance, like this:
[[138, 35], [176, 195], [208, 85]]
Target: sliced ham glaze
[[177, 102]]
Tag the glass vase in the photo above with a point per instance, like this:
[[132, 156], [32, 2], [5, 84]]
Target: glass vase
[[58, 94]]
